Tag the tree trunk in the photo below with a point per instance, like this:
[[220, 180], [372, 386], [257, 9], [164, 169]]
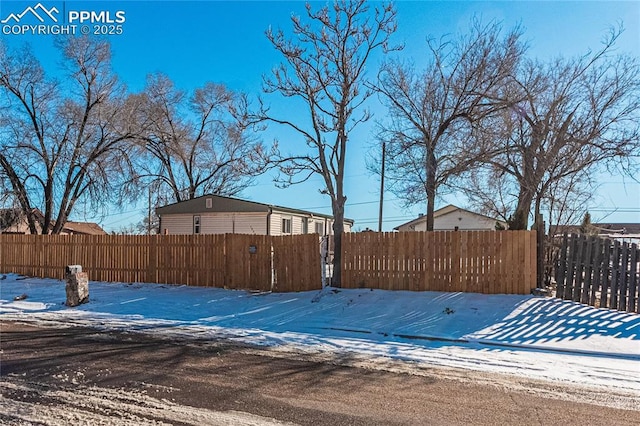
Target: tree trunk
[[520, 219], [20, 193], [338, 229], [431, 187]]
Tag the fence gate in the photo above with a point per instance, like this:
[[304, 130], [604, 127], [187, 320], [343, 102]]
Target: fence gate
[[248, 262], [296, 263], [599, 272]]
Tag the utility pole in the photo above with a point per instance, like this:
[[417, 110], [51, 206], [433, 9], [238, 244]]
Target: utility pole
[[149, 214], [381, 187]]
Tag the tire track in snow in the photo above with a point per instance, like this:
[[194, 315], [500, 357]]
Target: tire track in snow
[[25, 403]]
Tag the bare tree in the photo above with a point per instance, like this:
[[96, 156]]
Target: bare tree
[[567, 200], [495, 194], [199, 143], [432, 114], [324, 68], [573, 116], [62, 143]]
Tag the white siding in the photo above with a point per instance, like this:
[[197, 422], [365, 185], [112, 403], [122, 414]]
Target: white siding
[[275, 224], [216, 223], [296, 224], [327, 225], [464, 221], [221, 223], [419, 226], [178, 224], [243, 223], [250, 223]]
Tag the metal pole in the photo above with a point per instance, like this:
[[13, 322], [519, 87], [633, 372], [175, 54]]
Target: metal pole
[[149, 212], [381, 187]]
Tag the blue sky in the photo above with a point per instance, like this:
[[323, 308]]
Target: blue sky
[[199, 41]]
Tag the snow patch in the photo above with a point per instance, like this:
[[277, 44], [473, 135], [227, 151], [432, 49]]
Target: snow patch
[[524, 336]]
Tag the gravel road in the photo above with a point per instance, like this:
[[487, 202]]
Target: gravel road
[[64, 376]]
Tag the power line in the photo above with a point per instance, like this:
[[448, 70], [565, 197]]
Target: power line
[[121, 220], [349, 204], [387, 219], [616, 210]]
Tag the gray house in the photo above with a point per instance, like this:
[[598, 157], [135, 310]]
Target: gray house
[[215, 214]]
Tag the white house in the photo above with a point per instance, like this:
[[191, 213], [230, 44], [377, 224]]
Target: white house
[[452, 218], [215, 214]]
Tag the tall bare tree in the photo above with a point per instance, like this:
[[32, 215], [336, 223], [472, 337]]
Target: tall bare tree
[[61, 144], [495, 194], [572, 116], [324, 68], [432, 114], [200, 142]]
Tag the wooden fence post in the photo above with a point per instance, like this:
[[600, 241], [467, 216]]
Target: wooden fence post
[[561, 267], [540, 236]]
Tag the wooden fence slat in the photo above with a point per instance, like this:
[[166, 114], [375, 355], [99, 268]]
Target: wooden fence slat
[[579, 268], [597, 258], [606, 274], [455, 261], [587, 267], [534, 252], [624, 277], [571, 261], [615, 275], [633, 284]]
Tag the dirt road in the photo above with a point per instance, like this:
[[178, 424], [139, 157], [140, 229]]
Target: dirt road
[[52, 376]]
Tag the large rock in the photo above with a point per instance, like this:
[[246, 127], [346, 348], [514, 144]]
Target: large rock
[[77, 286]]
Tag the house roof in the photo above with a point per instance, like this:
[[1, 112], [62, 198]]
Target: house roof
[[17, 213], [14, 216], [603, 228], [221, 204], [88, 228], [450, 208], [618, 228]]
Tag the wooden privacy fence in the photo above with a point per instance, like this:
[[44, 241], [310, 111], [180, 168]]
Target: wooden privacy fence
[[599, 272], [452, 261], [286, 263], [491, 262]]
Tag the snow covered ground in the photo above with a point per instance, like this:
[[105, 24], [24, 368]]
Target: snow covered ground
[[523, 336]]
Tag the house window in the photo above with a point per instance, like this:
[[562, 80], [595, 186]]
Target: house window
[[196, 224], [209, 203], [305, 225], [320, 228], [286, 226]]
